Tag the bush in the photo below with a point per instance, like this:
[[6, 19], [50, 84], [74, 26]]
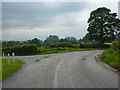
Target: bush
[[25, 49], [61, 44], [116, 47], [93, 45]]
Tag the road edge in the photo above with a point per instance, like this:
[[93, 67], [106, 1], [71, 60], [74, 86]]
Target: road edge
[[99, 61]]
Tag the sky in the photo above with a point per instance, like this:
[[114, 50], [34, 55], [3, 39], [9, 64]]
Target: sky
[[27, 20]]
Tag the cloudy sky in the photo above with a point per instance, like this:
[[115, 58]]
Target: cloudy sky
[[28, 20]]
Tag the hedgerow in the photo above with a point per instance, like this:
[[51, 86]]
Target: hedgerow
[[25, 49], [61, 44], [116, 47], [93, 45]]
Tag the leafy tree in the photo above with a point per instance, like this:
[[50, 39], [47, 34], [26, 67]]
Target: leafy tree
[[72, 40], [27, 42], [51, 39], [118, 36], [103, 25], [36, 41], [118, 29], [62, 40], [85, 39]]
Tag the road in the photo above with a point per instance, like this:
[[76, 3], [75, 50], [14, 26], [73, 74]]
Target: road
[[62, 70]]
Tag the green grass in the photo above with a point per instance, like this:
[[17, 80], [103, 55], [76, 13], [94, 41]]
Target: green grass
[[54, 50], [7, 70], [111, 58]]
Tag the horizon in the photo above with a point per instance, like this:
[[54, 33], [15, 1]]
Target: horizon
[[34, 38]]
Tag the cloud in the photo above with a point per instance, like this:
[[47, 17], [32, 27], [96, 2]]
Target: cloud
[[20, 15]]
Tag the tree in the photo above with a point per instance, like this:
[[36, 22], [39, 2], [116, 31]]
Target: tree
[[118, 29], [62, 40], [103, 25], [72, 40], [51, 39], [118, 36], [36, 41], [86, 40]]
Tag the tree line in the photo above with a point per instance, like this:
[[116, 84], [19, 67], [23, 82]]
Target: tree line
[[49, 40]]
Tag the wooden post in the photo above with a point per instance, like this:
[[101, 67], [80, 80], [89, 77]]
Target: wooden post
[[13, 56], [3, 56], [8, 59]]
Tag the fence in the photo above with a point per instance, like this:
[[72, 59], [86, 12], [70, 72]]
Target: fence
[[8, 57]]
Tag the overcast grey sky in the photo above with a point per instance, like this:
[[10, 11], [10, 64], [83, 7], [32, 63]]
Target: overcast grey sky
[[28, 20]]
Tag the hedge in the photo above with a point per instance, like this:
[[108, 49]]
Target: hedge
[[93, 45], [26, 49], [116, 47], [61, 44]]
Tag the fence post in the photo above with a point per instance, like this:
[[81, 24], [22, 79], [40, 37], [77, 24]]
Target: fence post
[[13, 56], [8, 59], [3, 57]]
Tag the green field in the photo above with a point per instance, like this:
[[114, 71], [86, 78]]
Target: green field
[[61, 50], [7, 70], [111, 58]]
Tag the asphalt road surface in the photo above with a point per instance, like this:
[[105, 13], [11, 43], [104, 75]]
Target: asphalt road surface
[[62, 70]]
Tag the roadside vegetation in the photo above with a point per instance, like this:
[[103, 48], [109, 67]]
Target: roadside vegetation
[[32, 49], [8, 70], [67, 47], [112, 55], [26, 49]]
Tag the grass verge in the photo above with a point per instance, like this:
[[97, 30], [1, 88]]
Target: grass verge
[[7, 70], [111, 58]]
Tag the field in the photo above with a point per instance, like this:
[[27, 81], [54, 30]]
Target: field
[[7, 70]]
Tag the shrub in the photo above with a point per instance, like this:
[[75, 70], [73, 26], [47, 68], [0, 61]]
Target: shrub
[[61, 44], [116, 47], [25, 49], [93, 45]]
